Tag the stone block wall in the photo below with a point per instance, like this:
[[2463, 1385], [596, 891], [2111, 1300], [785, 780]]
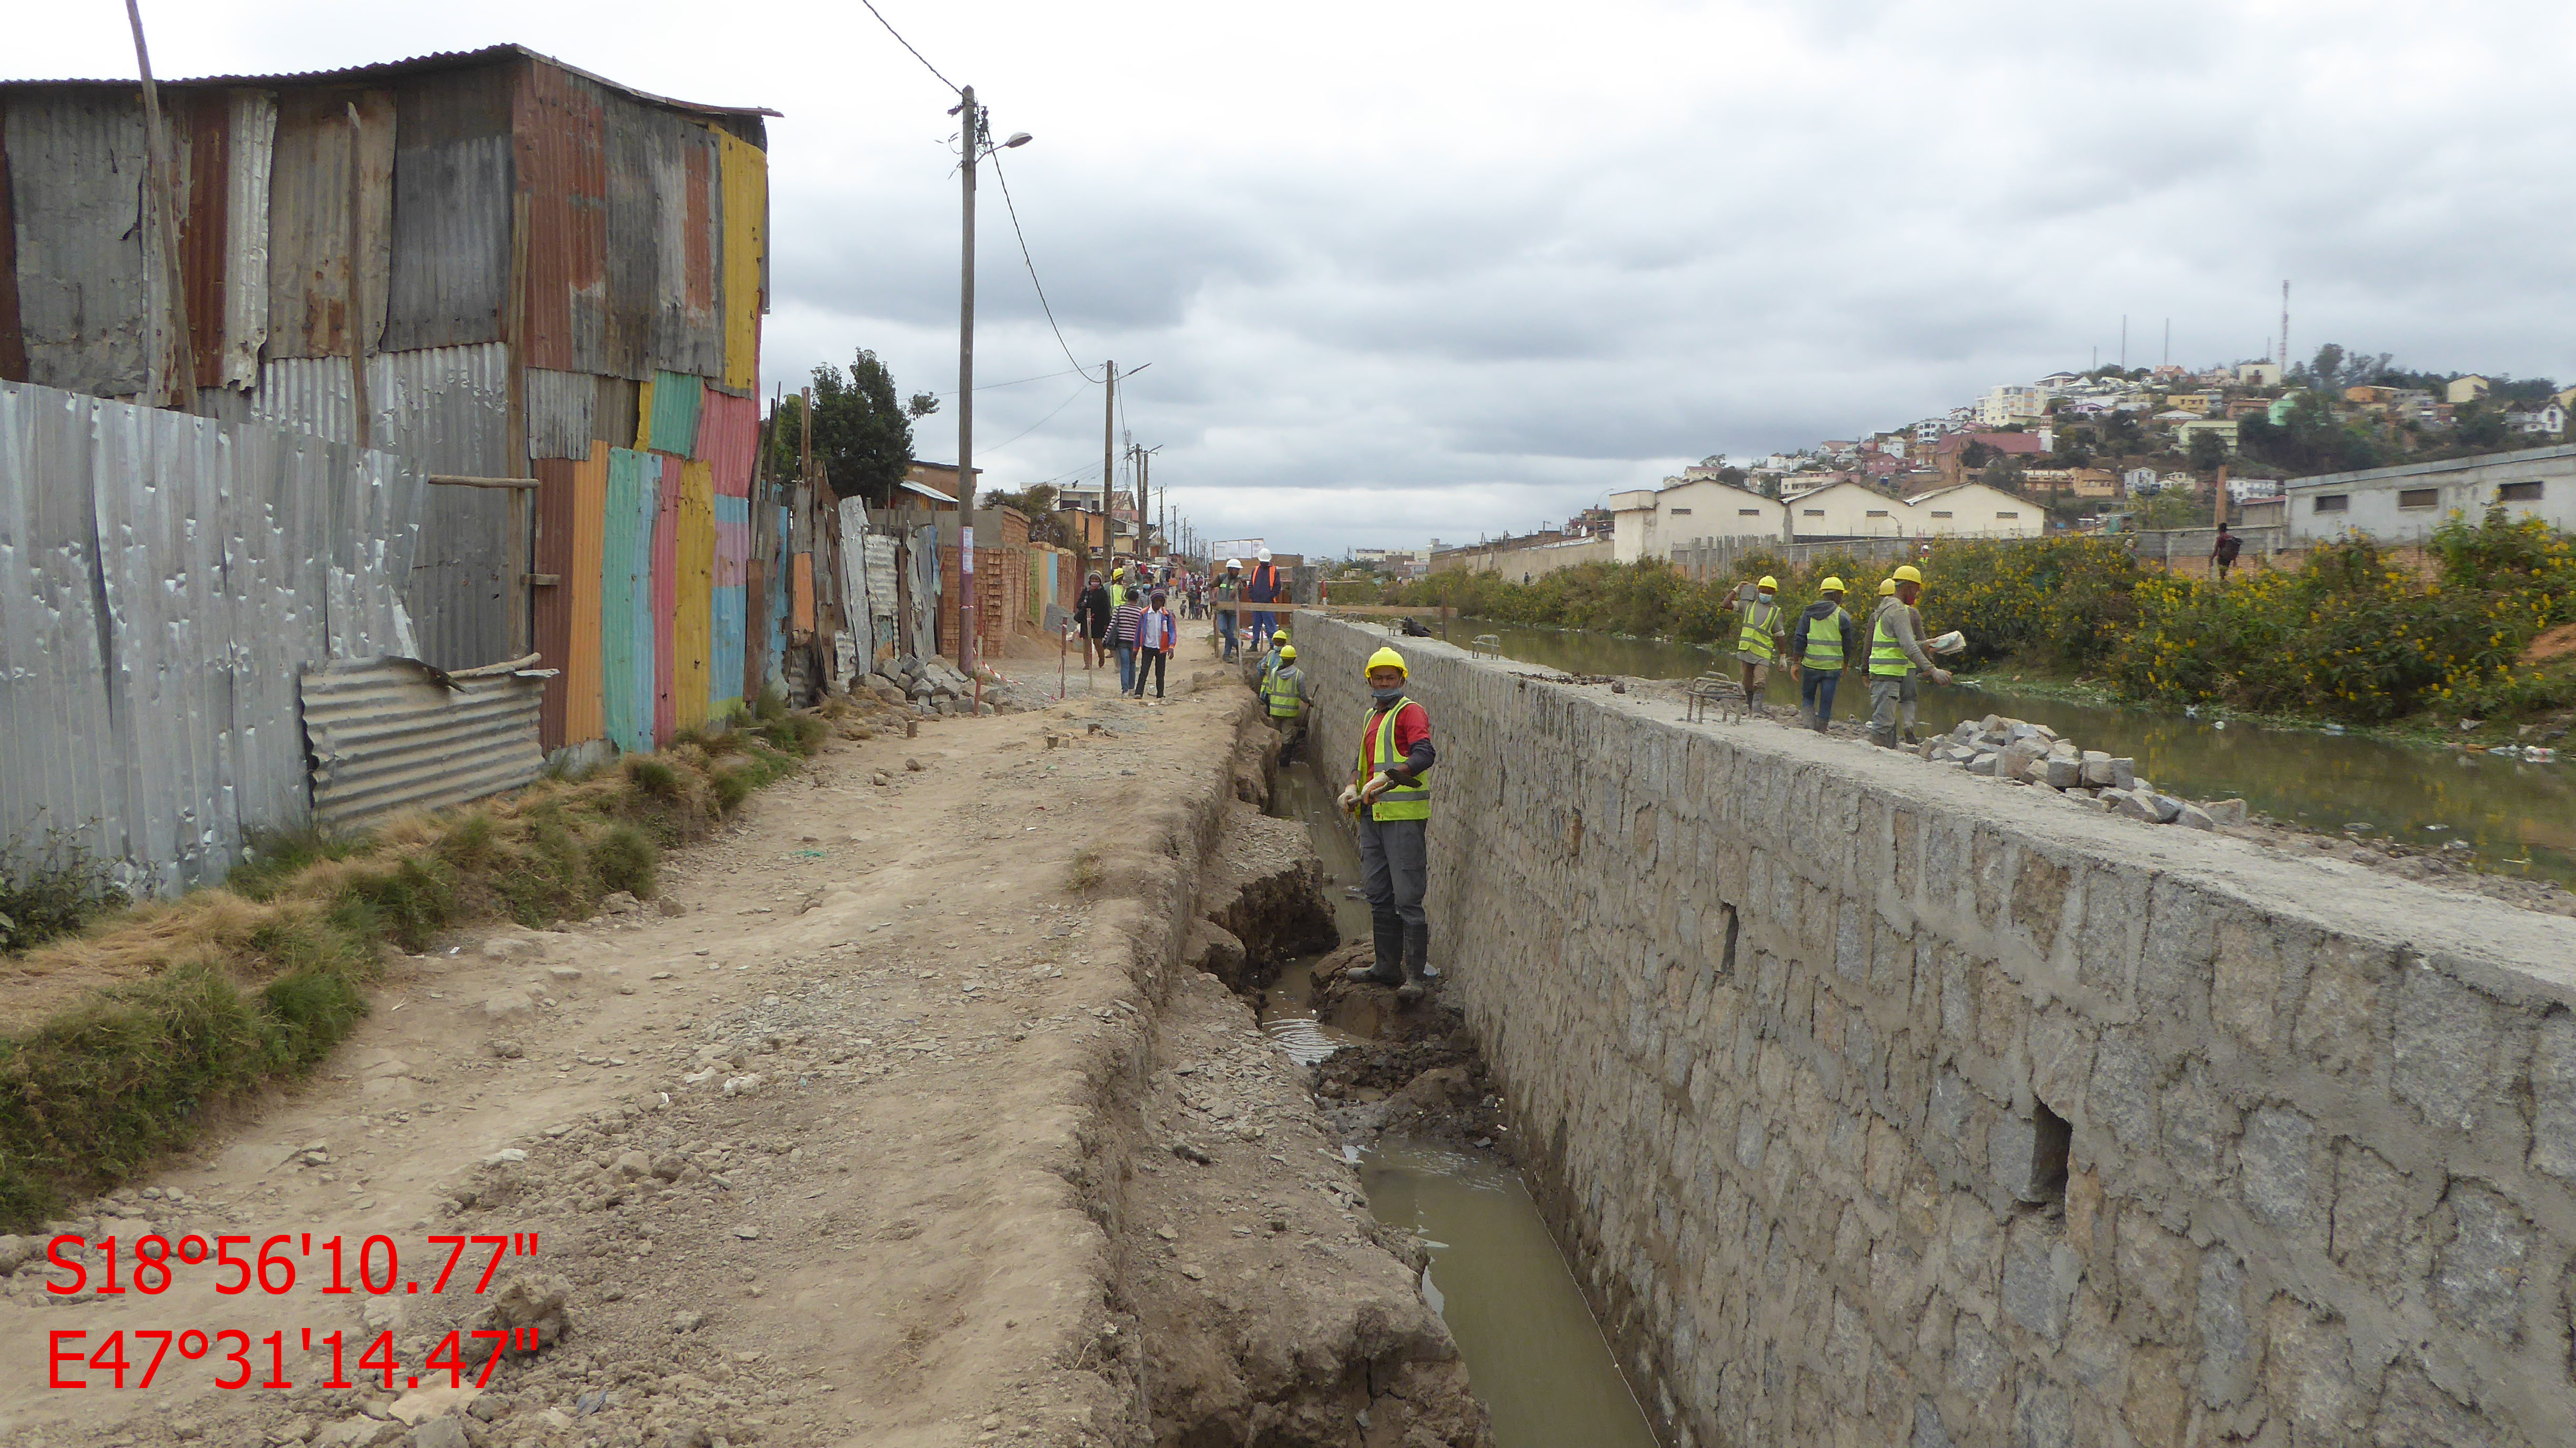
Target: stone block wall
[[1876, 1104]]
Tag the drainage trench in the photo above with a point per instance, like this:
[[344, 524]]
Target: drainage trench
[[1435, 1156]]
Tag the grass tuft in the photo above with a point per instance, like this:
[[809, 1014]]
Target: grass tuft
[[52, 890], [232, 989]]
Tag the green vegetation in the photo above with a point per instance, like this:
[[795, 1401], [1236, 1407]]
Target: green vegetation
[[51, 889], [232, 989], [2348, 636]]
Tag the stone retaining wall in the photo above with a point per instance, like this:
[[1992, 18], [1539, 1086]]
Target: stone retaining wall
[[1878, 1105]]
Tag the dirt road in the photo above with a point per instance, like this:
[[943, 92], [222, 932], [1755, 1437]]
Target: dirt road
[[896, 1121]]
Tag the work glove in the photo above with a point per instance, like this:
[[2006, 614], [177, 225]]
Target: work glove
[[1377, 785], [1350, 797]]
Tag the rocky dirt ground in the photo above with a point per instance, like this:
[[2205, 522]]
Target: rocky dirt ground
[[900, 1118]]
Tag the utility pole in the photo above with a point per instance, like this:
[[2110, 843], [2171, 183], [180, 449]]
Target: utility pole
[[1108, 456], [973, 133]]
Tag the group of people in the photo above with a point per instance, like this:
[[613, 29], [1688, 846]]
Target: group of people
[[1234, 593], [1823, 640], [1128, 616]]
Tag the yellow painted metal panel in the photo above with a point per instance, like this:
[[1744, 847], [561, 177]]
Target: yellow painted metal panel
[[644, 416], [585, 708], [694, 646], [744, 173]]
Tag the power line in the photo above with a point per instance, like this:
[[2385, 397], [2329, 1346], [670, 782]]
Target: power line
[[1031, 264], [1041, 422], [906, 44], [989, 386]]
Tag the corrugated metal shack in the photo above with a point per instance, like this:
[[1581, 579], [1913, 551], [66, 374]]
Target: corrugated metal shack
[[555, 277]]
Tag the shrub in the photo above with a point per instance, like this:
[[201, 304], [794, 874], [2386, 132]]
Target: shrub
[[51, 890]]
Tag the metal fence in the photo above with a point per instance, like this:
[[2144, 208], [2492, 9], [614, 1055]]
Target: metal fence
[[164, 581]]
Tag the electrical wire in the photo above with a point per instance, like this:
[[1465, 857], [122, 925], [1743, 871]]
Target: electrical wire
[[1026, 260], [906, 44], [1043, 421], [989, 386]]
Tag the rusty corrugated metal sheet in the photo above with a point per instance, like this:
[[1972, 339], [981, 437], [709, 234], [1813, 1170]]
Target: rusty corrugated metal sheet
[[552, 606], [633, 260], [687, 336], [13, 347], [228, 270], [562, 178], [394, 733], [76, 180], [744, 181], [560, 406], [201, 141], [308, 261], [438, 63], [613, 418], [584, 716], [451, 210]]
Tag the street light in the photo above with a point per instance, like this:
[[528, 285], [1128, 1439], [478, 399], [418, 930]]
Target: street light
[[974, 149]]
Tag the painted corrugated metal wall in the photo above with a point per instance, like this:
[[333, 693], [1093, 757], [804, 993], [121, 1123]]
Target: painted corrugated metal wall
[[665, 590], [163, 579], [692, 607], [584, 715], [745, 178], [626, 647], [391, 733]]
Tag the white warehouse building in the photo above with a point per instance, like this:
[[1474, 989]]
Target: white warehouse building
[[2406, 504]]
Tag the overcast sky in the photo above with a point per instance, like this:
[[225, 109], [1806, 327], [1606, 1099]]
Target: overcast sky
[[1407, 271]]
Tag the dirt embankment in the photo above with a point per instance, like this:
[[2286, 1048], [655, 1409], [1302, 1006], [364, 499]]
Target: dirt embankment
[[911, 1123]]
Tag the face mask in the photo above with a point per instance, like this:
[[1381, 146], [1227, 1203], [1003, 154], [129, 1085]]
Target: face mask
[[1388, 696]]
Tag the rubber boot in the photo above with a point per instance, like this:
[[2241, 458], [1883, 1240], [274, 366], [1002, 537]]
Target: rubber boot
[[1389, 969], [1419, 977]]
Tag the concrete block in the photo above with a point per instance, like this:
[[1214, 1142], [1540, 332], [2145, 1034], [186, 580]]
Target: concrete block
[[1986, 762], [2377, 1231], [2226, 811], [2124, 773], [2445, 1042], [2122, 1092], [2553, 1090], [2097, 767], [2063, 771], [2228, 1355], [2045, 1417], [2039, 1277], [2192, 816]]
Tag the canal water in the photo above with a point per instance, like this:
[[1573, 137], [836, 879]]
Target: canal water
[[1537, 1359], [2516, 815]]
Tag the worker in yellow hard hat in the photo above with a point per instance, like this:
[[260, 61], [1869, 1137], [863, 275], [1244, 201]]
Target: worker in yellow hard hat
[[1897, 658], [1822, 640], [1283, 697], [1388, 794], [1757, 641]]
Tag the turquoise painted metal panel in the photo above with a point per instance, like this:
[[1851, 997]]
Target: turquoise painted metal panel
[[626, 599], [672, 427], [732, 603]]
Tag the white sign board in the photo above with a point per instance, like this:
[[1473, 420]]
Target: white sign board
[[1246, 549]]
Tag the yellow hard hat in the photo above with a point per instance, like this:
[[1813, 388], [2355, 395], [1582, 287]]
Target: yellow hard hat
[[1768, 582], [1387, 659], [1908, 573], [1887, 588], [1287, 652], [1831, 585]]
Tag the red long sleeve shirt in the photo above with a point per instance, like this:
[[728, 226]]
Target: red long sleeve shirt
[[1412, 740]]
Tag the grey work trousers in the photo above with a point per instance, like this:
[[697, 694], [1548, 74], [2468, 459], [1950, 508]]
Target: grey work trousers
[[1888, 699], [1395, 866]]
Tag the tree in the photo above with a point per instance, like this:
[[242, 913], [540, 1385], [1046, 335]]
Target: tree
[[2308, 439], [2478, 426], [862, 435], [2208, 451], [1732, 476]]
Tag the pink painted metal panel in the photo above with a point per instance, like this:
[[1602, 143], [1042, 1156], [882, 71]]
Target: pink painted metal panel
[[666, 603], [729, 438]]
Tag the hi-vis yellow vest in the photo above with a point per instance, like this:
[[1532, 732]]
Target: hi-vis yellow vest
[[1400, 802]]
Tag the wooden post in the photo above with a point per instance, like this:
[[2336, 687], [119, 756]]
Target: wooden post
[[161, 193]]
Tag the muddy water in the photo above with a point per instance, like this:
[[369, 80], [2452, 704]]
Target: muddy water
[[1536, 1357], [2515, 815]]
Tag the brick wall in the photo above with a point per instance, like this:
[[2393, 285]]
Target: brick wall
[[1792, 1031]]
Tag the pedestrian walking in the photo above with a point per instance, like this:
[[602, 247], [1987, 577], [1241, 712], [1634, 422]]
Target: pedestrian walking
[[1092, 611], [2222, 554], [1757, 643], [1897, 658], [1156, 632], [1819, 642], [1285, 698], [1388, 794], [1123, 623], [1229, 598]]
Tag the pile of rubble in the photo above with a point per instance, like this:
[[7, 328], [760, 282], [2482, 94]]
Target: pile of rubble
[[934, 686], [2014, 749]]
